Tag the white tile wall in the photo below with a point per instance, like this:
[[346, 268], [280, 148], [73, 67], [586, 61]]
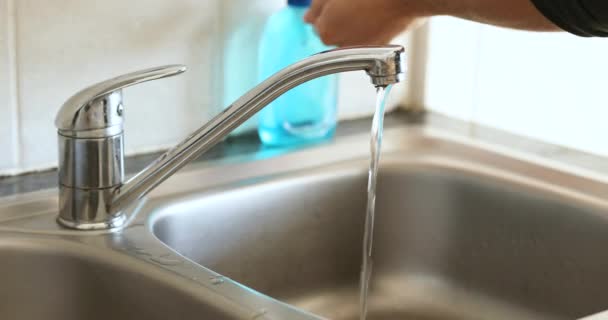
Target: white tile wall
[[65, 45], [61, 46], [8, 120], [542, 85], [548, 86], [452, 64]]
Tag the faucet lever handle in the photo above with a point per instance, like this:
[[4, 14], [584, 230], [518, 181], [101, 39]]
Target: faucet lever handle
[[97, 111]]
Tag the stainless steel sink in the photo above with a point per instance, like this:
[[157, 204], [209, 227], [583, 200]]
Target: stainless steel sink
[[58, 280], [464, 230]]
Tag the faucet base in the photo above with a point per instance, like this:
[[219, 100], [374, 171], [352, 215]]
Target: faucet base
[[118, 222]]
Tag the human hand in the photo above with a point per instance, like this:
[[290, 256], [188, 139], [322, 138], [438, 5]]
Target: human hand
[[364, 22]]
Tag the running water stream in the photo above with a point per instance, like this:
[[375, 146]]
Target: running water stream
[[368, 236]]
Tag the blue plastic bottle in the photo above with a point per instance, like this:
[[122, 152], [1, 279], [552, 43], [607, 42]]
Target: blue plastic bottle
[[307, 113]]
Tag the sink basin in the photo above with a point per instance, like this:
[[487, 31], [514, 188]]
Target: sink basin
[[463, 231], [58, 280]]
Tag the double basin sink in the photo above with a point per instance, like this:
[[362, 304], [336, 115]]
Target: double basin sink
[[464, 230]]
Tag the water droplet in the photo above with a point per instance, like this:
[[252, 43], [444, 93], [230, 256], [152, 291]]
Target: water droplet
[[217, 280], [166, 260], [140, 251], [259, 313]]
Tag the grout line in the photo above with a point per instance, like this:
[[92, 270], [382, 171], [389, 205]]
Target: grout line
[[13, 83]]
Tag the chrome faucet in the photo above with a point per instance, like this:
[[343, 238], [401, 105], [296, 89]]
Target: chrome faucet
[[92, 191]]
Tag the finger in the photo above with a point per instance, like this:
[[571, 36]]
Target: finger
[[315, 10], [326, 32]]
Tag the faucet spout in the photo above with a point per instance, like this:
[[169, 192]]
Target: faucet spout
[[385, 65]]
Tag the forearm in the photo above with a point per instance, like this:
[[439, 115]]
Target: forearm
[[375, 22], [519, 14]]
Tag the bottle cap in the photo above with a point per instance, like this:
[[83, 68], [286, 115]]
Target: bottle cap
[[299, 3]]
